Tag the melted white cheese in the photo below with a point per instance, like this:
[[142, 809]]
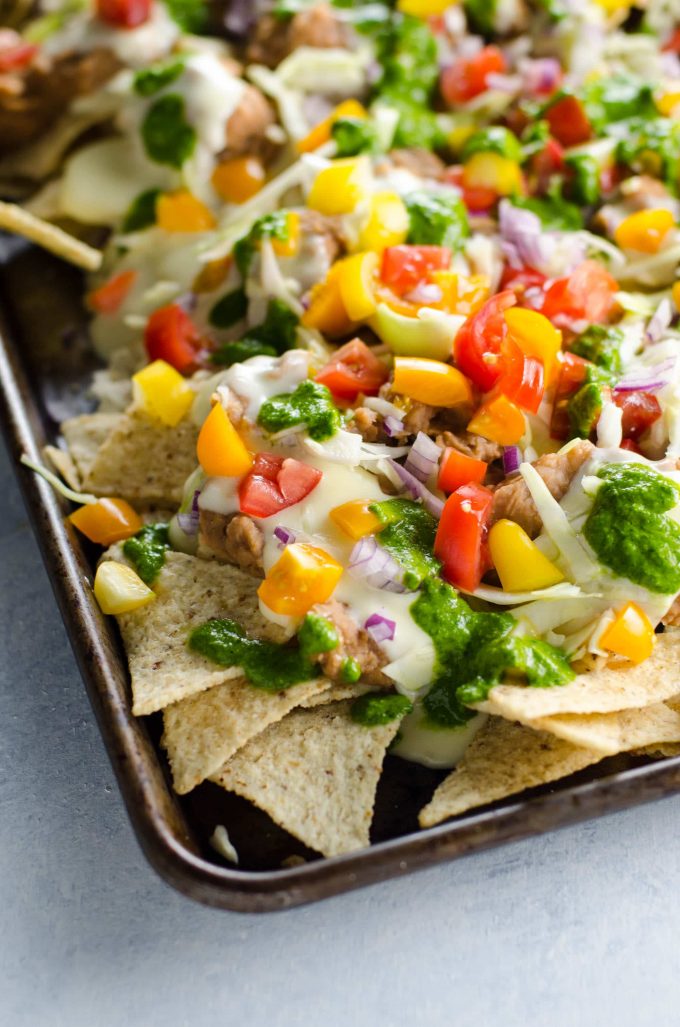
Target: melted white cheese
[[435, 747], [134, 47]]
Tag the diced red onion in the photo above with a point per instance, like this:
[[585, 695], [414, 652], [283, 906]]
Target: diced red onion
[[371, 563], [660, 321], [512, 458], [503, 83], [541, 75], [526, 243], [188, 521], [418, 491], [381, 629], [424, 456], [392, 426], [648, 379], [286, 536], [425, 293]]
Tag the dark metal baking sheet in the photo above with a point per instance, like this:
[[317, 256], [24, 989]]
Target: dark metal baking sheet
[[45, 365]]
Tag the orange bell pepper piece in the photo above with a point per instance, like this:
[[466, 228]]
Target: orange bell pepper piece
[[111, 295], [645, 230], [355, 519], [235, 181], [182, 212], [631, 634], [326, 312], [321, 133], [499, 420], [106, 521], [221, 451], [303, 576], [430, 381], [536, 336]]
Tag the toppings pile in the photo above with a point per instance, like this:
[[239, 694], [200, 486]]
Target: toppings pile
[[389, 313]]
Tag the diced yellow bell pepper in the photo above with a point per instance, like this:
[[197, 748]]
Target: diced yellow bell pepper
[[499, 420], [338, 188], [387, 224], [236, 180], [644, 231], [321, 133], [212, 275], [289, 246], [675, 292], [612, 6], [162, 392], [430, 381], [461, 294], [355, 519], [182, 212], [668, 101], [356, 276], [491, 171], [424, 8], [106, 521], [221, 451], [302, 576], [326, 311], [118, 589], [631, 634], [536, 336], [519, 562]]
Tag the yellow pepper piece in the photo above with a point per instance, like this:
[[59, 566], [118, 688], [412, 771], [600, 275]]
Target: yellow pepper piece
[[644, 231], [612, 6], [356, 276], [321, 133], [235, 181], [106, 521], [536, 336], [675, 292], [301, 577], [430, 381], [288, 247], [355, 519], [491, 171], [424, 8], [162, 392], [461, 295], [212, 275], [631, 634], [182, 212], [519, 562], [338, 188], [326, 312], [387, 224], [499, 420], [118, 589], [668, 101], [221, 451]]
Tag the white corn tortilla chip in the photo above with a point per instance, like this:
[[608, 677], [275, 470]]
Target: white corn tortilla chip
[[85, 435], [202, 732], [615, 687], [315, 773], [15, 219], [144, 461], [335, 692], [503, 759], [189, 592], [609, 733]]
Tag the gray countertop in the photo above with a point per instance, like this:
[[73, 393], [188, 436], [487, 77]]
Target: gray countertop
[[578, 927]]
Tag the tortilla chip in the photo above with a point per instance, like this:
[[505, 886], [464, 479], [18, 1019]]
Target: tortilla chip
[[64, 466], [615, 687], [315, 774], [335, 692], [189, 592], [15, 219], [144, 461], [659, 752], [503, 758], [609, 733], [201, 733], [85, 436]]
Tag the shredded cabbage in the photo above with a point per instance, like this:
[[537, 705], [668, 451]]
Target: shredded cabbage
[[85, 498]]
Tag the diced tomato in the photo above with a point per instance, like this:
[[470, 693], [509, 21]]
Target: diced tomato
[[572, 375], [275, 483], [172, 336], [522, 379], [353, 369], [109, 296], [587, 294], [466, 77], [522, 279], [477, 198], [639, 412], [569, 122], [632, 446], [460, 542], [548, 162], [457, 469], [403, 267], [124, 14], [477, 347], [672, 45], [15, 53]]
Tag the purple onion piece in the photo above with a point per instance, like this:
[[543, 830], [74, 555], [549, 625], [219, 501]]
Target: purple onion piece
[[189, 520], [660, 321], [381, 629], [392, 426], [370, 563], [423, 458], [657, 378], [512, 458], [285, 536], [431, 503]]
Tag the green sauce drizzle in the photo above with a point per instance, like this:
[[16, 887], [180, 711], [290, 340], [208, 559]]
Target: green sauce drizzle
[[630, 530], [310, 404], [229, 309], [376, 708], [601, 344], [350, 670], [317, 635], [266, 665], [276, 334], [495, 139], [437, 219], [269, 226], [353, 136], [146, 550], [150, 81], [142, 211], [408, 535], [167, 136]]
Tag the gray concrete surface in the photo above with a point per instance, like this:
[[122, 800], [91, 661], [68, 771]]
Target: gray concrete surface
[[577, 928]]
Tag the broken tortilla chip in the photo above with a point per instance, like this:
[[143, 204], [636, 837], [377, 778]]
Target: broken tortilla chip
[[315, 773], [15, 219], [609, 733], [336, 692], [85, 435], [504, 758], [189, 592], [201, 733]]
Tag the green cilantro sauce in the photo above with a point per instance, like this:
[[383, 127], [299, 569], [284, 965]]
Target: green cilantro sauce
[[436, 219], [317, 635], [353, 136], [629, 527], [350, 670], [146, 550], [168, 138], [150, 81], [229, 309], [555, 213], [269, 226], [192, 16], [601, 344], [142, 211], [376, 708], [310, 404], [494, 139], [585, 406], [408, 535], [276, 334], [652, 146]]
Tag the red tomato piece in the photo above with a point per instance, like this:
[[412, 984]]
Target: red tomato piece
[[571, 377], [457, 469], [548, 162], [124, 14], [639, 412], [477, 198], [522, 379], [569, 122], [109, 296], [172, 336], [466, 77], [522, 279], [632, 446], [403, 267], [353, 369], [477, 347], [275, 483], [460, 542], [587, 294], [672, 45], [14, 52]]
